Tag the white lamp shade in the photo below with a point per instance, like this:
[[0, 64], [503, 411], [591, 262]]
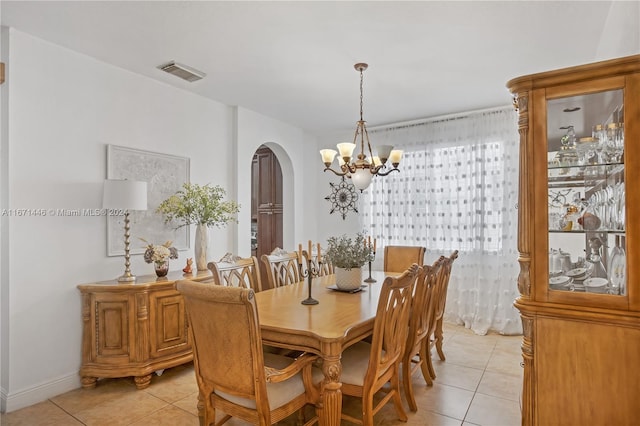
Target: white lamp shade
[[395, 156], [124, 194], [361, 179], [384, 151], [346, 149], [328, 155]]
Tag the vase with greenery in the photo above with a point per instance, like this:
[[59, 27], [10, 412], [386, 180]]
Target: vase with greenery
[[348, 255], [202, 205]]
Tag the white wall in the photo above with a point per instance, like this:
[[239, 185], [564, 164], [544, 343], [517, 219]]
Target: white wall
[[64, 108]]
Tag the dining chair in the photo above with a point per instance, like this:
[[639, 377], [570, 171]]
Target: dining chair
[[367, 367], [442, 287], [399, 258], [326, 267], [281, 268], [237, 272], [421, 327], [232, 372]]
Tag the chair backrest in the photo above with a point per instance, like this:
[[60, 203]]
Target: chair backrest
[[391, 325], [421, 320], [399, 258], [442, 284], [227, 353], [238, 272], [326, 267], [281, 268]]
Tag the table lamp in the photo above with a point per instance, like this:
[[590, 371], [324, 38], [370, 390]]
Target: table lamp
[[125, 195]]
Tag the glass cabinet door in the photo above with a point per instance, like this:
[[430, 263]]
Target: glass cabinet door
[[586, 194]]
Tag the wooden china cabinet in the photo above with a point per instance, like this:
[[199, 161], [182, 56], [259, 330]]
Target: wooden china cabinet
[[579, 243], [134, 329]]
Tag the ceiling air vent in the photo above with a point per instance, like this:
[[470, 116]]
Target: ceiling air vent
[[182, 71]]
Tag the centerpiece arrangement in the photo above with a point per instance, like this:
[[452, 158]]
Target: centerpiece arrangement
[[159, 255], [202, 205], [348, 255]]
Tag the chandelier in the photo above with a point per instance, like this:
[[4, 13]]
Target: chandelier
[[362, 169]]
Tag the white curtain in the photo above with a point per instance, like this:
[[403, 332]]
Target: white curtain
[[457, 190]]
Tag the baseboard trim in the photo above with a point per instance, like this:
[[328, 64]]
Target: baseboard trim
[[26, 397]]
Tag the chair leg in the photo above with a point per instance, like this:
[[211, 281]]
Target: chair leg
[[426, 366], [397, 400], [367, 408], [438, 338], [426, 348], [408, 385]]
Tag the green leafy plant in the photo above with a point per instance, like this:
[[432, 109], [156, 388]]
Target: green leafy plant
[[346, 252], [196, 204]]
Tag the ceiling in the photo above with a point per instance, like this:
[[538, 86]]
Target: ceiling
[[293, 61]]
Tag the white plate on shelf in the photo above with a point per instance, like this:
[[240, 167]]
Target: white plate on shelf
[[577, 273], [596, 285], [559, 280]]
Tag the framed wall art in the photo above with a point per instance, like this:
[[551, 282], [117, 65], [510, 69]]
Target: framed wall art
[[165, 174]]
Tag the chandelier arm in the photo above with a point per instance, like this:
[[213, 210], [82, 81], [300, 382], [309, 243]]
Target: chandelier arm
[[368, 143], [386, 173], [336, 173]]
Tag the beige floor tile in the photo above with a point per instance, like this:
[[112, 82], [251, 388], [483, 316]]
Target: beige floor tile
[[169, 416], [124, 410], [491, 411], [189, 403], [174, 384], [507, 386], [83, 399], [446, 400], [502, 361], [463, 353], [456, 375], [44, 413]]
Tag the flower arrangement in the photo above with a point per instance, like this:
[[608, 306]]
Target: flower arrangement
[[159, 253], [200, 205], [347, 253]]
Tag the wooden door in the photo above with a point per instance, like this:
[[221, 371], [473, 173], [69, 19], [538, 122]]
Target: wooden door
[[267, 193]]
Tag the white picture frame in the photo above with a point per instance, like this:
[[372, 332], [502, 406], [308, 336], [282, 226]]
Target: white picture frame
[[165, 174]]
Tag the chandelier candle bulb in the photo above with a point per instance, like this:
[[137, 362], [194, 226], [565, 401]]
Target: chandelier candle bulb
[[319, 257], [310, 248], [299, 254]]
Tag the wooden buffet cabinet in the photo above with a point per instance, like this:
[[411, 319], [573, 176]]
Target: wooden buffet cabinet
[[134, 329], [579, 204]]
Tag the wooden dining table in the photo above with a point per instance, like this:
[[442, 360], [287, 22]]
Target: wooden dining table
[[338, 320]]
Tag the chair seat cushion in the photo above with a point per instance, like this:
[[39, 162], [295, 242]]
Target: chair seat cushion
[[355, 361], [278, 393]]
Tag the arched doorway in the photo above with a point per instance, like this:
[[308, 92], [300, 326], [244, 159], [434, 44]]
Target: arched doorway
[[266, 202]]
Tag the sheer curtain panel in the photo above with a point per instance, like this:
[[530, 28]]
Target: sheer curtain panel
[[457, 190]]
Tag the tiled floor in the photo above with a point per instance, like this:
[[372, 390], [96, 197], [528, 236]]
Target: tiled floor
[[478, 384]]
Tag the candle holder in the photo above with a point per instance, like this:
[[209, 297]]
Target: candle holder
[[309, 274], [371, 259]]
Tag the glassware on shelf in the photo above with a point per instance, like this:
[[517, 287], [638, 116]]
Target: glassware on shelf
[[587, 150], [614, 144], [594, 261], [598, 133], [617, 268]]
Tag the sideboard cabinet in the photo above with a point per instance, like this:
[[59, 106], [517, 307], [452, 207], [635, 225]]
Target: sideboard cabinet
[[579, 243], [134, 329]]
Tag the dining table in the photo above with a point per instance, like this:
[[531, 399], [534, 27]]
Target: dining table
[[339, 320]]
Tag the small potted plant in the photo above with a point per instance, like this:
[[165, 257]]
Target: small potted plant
[[159, 255], [203, 206], [348, 256]]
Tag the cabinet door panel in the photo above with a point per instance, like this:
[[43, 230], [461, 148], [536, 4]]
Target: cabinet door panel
[[112, 327], [168, 319]]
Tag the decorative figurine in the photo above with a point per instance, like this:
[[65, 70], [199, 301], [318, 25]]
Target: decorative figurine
[[187, 269]]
